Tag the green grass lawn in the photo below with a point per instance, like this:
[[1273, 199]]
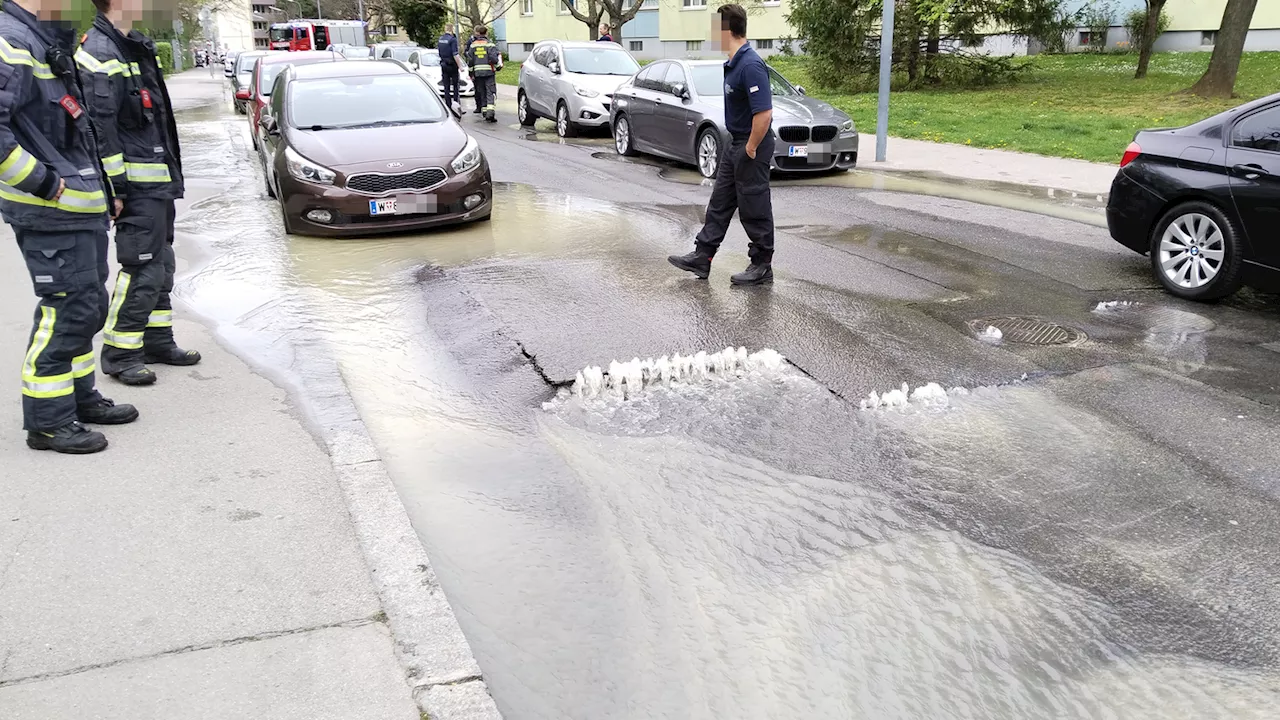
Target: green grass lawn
[[1084, 106]]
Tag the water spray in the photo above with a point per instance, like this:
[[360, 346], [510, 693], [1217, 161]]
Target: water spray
[[628, 379]]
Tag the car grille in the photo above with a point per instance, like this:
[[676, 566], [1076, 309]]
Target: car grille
[[380, 184], [825, 133], [793, 134], [784, 162]]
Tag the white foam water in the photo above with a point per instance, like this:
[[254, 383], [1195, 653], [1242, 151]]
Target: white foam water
[[929, 394], [1114, 305], [629, 379], [991, 334]]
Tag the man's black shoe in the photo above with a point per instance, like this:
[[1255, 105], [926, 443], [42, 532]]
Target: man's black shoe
[[136, 375], [173, 356], [106, 412], [476, 111], [696, 262], [72, 439], [754, 275]]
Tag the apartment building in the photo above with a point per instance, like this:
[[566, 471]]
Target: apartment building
[[263, 13], [1193, 26], [662, 28]]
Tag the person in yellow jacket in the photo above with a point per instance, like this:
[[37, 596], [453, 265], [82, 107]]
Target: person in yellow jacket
[[485, 60]]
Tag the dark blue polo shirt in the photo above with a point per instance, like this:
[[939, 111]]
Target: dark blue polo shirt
[[746, 91], [448, 49]]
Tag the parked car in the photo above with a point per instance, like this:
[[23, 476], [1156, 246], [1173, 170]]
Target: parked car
[[426, 63], [362, 148], [1203, 201], [353, 52], [229, 62], [675, 108], [242, 77], [264, 76], [394, 50], [572, 83]]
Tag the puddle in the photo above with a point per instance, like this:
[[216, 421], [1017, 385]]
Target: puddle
[[756, 547]]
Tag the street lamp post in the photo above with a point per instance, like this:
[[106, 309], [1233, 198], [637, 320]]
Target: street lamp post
[[886, 74], [319, 16]]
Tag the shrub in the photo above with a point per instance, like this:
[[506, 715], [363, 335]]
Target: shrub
[[164, 51], [1136, 24]]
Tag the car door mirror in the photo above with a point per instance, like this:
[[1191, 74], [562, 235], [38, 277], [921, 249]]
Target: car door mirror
[[269, 126], [800, 89], [680, 91], [554, 67]]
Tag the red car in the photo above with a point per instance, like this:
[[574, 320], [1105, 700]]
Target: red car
[[266, 70]]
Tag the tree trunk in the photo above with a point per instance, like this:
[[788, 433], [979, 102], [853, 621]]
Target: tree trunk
[[1219, 80], [911, 35], [932, 48], [1154, 7]]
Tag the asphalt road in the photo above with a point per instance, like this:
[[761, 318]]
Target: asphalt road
[[1087, 529]]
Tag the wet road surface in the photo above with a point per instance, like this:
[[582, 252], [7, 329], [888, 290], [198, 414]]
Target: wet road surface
[[1086, 529]]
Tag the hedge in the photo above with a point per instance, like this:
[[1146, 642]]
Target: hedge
[[164, 51]]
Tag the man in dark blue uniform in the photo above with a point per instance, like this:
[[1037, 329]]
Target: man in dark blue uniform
[[53, 194], [447, 47], [742, 180]]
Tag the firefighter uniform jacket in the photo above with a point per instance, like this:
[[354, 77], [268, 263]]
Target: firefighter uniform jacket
[[484, 58], [130, 105], [45, 132]]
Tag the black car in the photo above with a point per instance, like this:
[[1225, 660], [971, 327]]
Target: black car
[[1204, 202]]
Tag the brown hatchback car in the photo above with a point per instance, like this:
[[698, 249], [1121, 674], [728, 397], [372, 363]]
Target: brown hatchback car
[[364, 148]]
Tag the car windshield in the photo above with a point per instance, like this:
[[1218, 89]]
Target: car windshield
[[402, 53], [708, 80], [429, 59], [351, 102], [244, 63], [599, 61], [280, 34], [779, 86], [270, 72], [355, 52]]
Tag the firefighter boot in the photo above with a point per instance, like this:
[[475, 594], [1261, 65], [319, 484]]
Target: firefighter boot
[[72, 439], [136, 375], [173, 356], [755, 274], [105, 412], [696, 262]]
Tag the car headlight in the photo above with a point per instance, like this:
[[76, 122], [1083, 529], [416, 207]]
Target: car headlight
[[469, 158], [846, 127], [305, 170], [585, 92]]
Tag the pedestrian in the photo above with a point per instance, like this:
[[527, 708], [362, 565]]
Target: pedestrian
[[138, 139], [466, 53], [742, 179], [604, 34], [55, 199], [447, 47], [485, 60]]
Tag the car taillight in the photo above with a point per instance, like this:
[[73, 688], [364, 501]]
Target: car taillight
[[1131, 153]]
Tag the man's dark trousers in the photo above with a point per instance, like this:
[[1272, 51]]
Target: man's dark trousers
[[140, 316], [449, 73], [742, 184]]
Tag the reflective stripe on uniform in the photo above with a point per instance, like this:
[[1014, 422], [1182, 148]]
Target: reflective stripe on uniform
[[47, 386], [147, 172], [102, 67], [114, 165], [83, 365], [76, 201], [160, 318], [17, 167], [17, 56], [111, 336]]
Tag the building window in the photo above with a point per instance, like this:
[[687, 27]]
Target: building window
[[526, 7], [563, 6], [694, 4], [764, 44], [1209, 38], [637, 46], [649, 5], [693, 45], [390, 30], [1086, 38], [528, 47]]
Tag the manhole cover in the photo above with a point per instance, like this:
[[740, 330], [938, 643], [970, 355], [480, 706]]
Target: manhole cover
[[1027, 331]]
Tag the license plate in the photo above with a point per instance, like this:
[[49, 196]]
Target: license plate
[[382, 207], [403, 205], [798, 151]]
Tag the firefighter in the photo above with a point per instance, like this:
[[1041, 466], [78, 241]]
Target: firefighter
[[485, 60], [139, 143], [53, 195]]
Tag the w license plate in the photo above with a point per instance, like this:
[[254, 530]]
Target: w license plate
[[382, 207], [403, 205], [798, 151]]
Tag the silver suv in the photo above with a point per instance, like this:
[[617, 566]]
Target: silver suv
[[572, 83]]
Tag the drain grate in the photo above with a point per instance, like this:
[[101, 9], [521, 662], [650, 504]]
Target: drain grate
[[1028, 331]]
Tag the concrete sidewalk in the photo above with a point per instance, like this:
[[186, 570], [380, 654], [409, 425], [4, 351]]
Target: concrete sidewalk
[[962, 162], [212, 562]]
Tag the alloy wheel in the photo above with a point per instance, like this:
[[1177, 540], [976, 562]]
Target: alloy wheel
[[622, 136], [708, 154], [1192, 250], [522, 108], [562, 121]]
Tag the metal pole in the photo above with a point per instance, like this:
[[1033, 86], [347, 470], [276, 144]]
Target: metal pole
[[886, 71], [456, 29], [360, 4], [318, 15]]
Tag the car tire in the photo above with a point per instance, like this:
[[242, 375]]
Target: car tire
[[623, 140], [1196, 252], [706, 152], [564, 126], [523, 111], [284, 215], [266, 177]]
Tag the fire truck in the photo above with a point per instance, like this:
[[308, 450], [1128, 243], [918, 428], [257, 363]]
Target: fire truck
[[316, 34]]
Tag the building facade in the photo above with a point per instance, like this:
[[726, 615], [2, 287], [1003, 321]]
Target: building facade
[[1193, 26], [262, 14]]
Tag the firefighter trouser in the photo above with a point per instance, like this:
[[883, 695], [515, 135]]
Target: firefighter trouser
[[140, 317], [68, 272], [486, 94], [742, 184]]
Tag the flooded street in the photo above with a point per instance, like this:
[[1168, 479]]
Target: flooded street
[[1081, 519]]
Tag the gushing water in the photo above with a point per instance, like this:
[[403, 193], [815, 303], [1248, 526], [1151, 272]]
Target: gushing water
[[929, 394], [627, 380]]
